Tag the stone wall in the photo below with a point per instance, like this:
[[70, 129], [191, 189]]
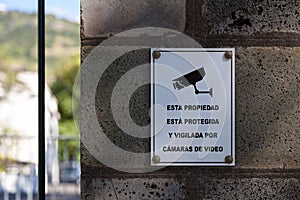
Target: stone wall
[[266, 36]]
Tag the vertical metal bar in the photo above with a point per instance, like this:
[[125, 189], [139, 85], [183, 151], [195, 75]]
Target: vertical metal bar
[[66, 150], [6, 195], [18, 194], [30, 195], [41, 99]]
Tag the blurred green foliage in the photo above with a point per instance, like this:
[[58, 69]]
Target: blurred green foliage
[[18, 52], [62, 88], [18, 42]]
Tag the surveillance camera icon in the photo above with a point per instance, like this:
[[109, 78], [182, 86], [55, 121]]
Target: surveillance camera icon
[[191, 79]]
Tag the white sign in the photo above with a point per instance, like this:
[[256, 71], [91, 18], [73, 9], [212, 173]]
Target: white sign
[[192, 113]]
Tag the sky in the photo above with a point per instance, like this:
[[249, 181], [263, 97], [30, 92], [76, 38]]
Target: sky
[[67, 9]]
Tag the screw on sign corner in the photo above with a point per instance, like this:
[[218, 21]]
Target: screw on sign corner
[[228, 159], [156, 159], [156, 54], [228, 55]]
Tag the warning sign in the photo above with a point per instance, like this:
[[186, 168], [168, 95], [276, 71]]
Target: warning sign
[[192, 107]]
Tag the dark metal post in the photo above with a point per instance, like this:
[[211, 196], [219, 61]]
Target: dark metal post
[[41, 101]]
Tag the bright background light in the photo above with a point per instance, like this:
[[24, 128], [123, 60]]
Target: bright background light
[[66, 9]]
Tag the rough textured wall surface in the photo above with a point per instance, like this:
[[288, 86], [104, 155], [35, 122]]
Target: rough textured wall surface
[[250, 17], [266, 36], [105, 17]]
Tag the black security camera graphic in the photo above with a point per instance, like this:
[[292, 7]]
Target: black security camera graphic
[[191, 79]]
